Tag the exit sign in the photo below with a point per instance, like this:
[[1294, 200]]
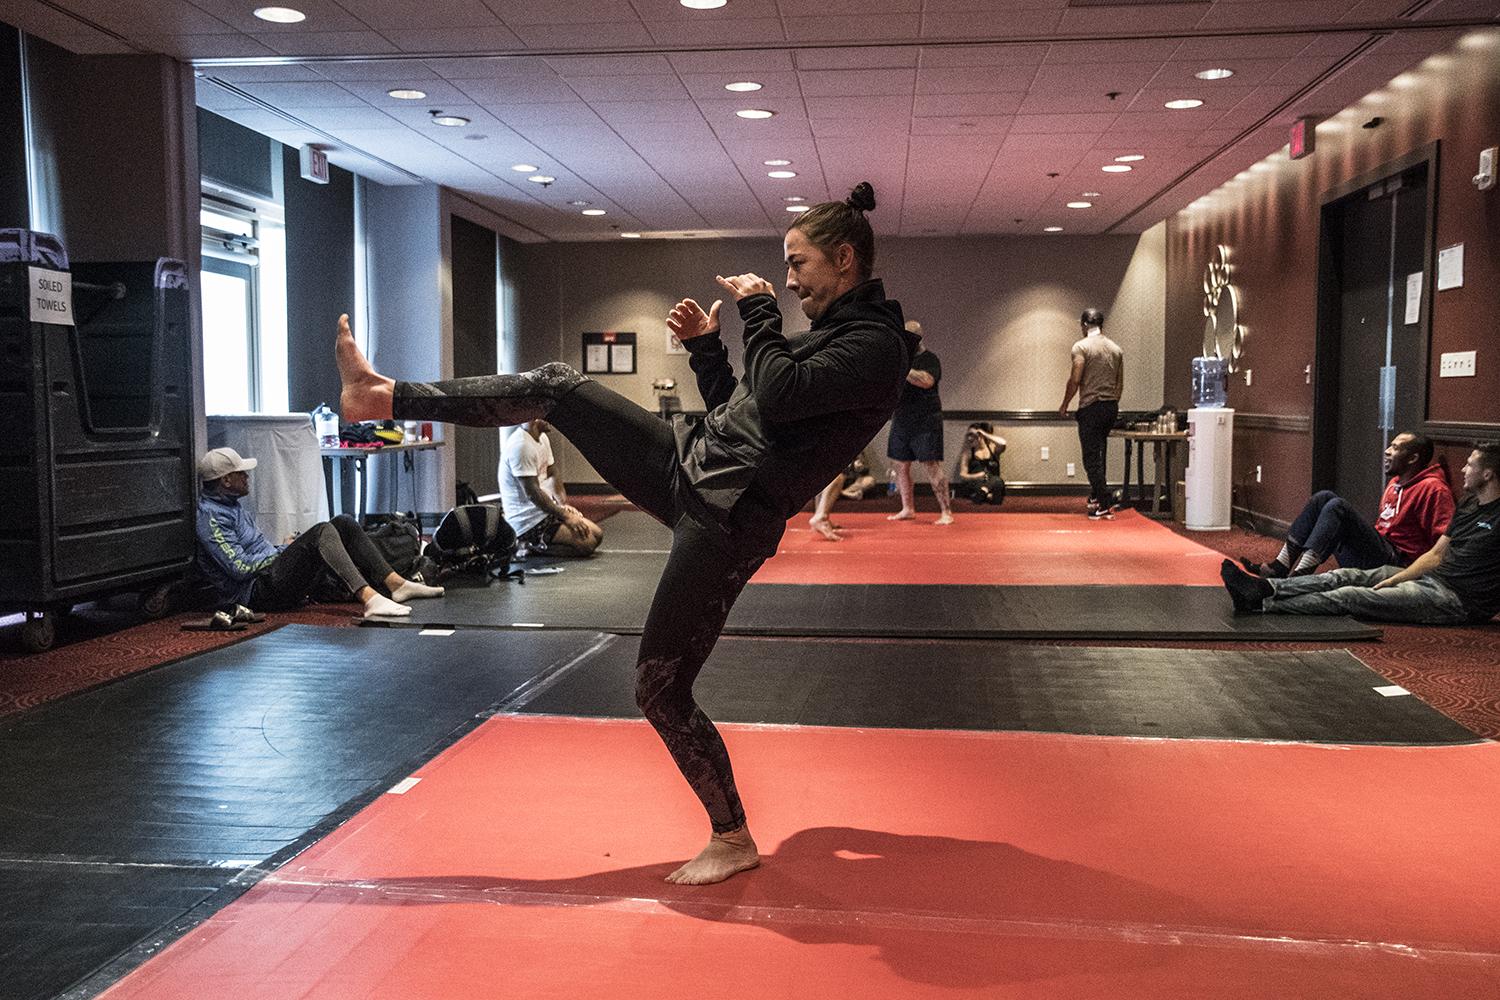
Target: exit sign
[[1302, 143], [314, 163]]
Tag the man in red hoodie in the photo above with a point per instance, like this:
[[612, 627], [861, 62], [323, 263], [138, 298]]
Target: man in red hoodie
[[1414, 512]]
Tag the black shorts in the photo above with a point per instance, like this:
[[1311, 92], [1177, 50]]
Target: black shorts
[[540, 535], [916, 441]]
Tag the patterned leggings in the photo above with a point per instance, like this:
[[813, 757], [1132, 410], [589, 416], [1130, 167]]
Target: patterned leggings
[[634, 450]]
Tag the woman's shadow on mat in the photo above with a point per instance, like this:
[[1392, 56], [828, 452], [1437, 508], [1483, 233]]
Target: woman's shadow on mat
[[939, 910]]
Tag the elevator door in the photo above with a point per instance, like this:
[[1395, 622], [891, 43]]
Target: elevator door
[[1381, 239]]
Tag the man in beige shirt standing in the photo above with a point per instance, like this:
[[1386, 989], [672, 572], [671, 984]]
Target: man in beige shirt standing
[[1098, 378]]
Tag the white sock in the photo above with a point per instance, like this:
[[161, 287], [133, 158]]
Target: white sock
[[410, 590], [1309, 563], [378, 605]]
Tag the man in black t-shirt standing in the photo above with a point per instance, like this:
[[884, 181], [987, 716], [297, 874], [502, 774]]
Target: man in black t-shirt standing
[[1455, 582], [917, 433]]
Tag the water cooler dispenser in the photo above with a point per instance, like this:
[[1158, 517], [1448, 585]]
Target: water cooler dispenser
[[1209, 479]]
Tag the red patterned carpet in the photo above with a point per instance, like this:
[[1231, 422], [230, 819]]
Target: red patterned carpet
[[1457, 670]]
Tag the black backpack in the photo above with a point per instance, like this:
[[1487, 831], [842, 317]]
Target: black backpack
[[398, 538], [475, 537]]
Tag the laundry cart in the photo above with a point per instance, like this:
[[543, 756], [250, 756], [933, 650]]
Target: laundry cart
[[96, 448]]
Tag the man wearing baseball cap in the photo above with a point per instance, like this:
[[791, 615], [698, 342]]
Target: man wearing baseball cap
[[245, 568]]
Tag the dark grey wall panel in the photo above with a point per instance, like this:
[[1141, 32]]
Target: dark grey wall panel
[[319, 279], [476, 449]]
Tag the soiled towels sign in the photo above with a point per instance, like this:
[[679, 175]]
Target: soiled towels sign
[[51, 296]]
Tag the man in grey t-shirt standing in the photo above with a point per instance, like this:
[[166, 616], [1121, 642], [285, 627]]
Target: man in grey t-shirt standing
[[1098, 378]]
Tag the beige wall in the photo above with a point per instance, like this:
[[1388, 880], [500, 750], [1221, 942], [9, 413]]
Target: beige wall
[[1001, 313]]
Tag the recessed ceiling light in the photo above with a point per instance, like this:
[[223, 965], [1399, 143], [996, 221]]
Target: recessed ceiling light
[[798, 208], [1183, 104], [742, 86], [1130, 158], [781, 175], [541, 179], [524, 168], [794, 197], [1053, 229], [403, 94], [777, 163], [1091, 194], [593, 211], [703, 4], [630, 236], [1080, 204], [280, 15], [1214, 74], [450, 121], [754, 113], [1117, 168], [578, 203]]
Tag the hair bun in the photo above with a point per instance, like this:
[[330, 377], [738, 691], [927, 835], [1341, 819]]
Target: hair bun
[[862, 198]]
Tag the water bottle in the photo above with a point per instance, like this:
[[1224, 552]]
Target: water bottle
[[326, 426]]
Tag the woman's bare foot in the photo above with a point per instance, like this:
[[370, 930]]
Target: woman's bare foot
[[902, 515], [725, 855], [947, 518], [826, 528], [367, 395]]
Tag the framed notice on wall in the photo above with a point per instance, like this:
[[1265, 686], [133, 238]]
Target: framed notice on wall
[[609, 353]]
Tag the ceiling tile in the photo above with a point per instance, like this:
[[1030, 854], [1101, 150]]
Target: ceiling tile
[[883, 57], [1065, 124], [1135, 18], [974, 79], [322, 16], [706, 33], [892, 27], [522, 117], [1279, 13], [862, 107], [519, 89], [443, 40], [775, 86], [572, 36], [615, 112], [929, 105], [517, 12], [671, 10], [1000, 23], [736, 61], [189, 47], [158, 17], [857, 82], [394, 71], [492, 68], [326, 43], [646, 64], [1027, 54], [382, 14], [439, 92], [961, 125], [604, 89]]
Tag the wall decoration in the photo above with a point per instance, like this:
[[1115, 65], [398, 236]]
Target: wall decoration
[[609, 353], [1223, 335]]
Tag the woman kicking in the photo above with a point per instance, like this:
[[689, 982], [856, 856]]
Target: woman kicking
[[725, 485]]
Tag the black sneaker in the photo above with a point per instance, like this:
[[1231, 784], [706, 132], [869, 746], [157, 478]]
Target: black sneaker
[[1246, 591]]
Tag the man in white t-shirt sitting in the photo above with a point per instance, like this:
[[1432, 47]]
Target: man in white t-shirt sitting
[[535, 505]]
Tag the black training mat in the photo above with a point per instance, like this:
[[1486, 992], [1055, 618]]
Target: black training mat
[[612, 593], [130, 805], [1323, 696]]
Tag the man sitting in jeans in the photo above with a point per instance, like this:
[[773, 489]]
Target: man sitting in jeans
[[1456, 582], [1414, 512], [245, 568]]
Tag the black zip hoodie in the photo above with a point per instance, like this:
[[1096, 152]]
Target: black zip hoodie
[[802, 411]]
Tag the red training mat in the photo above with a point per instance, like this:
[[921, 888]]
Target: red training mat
[[1018, 549], [528, 860]]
